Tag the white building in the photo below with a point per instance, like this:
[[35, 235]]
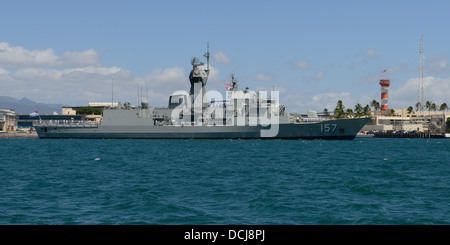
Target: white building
[[402, 121], [7, 119]]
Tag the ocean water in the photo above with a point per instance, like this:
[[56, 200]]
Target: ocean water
[[229, 182]]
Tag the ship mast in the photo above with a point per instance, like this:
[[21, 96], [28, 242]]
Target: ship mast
[[207, 57], [198, 76]]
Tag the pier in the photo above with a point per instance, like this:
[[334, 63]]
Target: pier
[[19, 134]]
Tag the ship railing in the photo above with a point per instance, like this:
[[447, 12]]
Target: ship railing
[[63, 123], [312, 120]]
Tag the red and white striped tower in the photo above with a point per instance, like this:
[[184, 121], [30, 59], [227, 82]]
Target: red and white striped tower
[[384, 93]]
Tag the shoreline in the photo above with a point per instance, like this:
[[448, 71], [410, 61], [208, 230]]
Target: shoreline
[[20, 134]]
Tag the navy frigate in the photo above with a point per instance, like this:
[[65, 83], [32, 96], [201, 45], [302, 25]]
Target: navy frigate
[[202, 114]]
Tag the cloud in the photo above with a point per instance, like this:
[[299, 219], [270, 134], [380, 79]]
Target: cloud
[[319, 76], [362, 58], [435, 90], [3, 71], [74, 58], [76, 78], [375, 77], [80, 85], [437, 65], [281, 90], [297, 102], [169, 75], [396, 69], [221, 58], [161, 83], [19, 57], [303, 65], [329, 100], [68, 86], [265, 77], [371, 54], [86, 73]]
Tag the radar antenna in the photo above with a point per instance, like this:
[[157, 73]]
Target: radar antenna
[[234, 83]]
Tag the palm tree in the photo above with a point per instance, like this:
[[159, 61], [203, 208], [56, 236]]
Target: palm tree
[[339, 110], [443, 107], [418, 106], [350, 113], [391, 112], [428, 106], [410, 110], [366, 111], [375, 104], [358, 110], [433, 107]]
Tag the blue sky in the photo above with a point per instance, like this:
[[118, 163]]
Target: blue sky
[[314, 52]]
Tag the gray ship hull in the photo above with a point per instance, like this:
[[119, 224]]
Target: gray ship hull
[[330, 129]]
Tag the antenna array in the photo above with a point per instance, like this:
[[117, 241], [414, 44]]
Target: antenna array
[[420, 96]]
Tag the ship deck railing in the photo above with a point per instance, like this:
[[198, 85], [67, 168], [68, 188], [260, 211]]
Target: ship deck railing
[[311, 120], [81, 124]]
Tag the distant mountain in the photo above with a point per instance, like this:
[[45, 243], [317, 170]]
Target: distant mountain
[[26, 101], [26, 106]]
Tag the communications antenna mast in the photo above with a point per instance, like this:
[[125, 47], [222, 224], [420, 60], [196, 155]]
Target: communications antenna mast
[[420, 96]]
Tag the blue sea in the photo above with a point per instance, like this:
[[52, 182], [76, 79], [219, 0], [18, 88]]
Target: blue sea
[[226, 182]]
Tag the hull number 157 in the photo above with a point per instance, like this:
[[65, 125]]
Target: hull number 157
[[328, 128]]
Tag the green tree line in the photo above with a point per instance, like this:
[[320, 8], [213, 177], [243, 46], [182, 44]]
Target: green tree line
[[429, 106], [89, 111], [359, 111], [341, 112]]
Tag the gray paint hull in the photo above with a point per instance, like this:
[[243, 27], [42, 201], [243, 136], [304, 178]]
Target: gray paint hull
[[331, 129]]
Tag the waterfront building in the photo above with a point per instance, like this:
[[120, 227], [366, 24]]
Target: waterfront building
[[400, 120], [7, 120], [72, 110]]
